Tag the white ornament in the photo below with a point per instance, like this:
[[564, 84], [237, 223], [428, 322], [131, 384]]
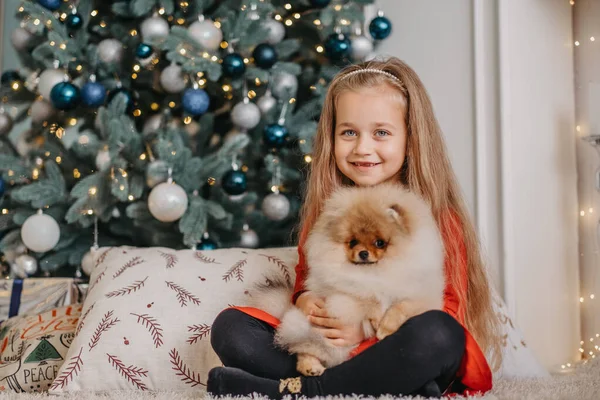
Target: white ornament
[[87, 263], [276, 206], [361, 48], [245, 115], [40, 232], [285, 85], [110, 51], [25, 266], [276, 31], [206, 34], [102, 159], [48, 79], [6, 123], [153, 124], [172, 79], [41, 111], [167, 202], [249, 238], [267, 102], [154, 28], [21, 39]]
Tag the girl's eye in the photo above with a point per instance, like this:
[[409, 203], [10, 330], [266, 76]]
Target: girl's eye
[[381, 133], [349, 133]]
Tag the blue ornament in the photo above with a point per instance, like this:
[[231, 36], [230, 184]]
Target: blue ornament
[[143, 51], [320, 3], [2, 186], [74, 21], [337, 46], [380, 28], [265, 55], [93, 94], [51, 5], [234, 182], [206, 244], [275, 135], [65, 96], [233, 65], [10, 76], [195, 101], [129, 98]]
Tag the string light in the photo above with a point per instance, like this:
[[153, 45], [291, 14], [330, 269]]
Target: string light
[[577, 43]]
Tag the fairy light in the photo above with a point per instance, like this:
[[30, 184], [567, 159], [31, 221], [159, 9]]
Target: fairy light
[[226, 88], [251, 94], [257, 82], [90, 212], [76, 174], [578, 128], [288, 22], [133, 32], [591, 210], [4, 211], [143, 156], [224, 44], [582, 213], [317, 22], [102, 24], [79, 67], [134, 76], [36, 22], [154, 106], [577, 43], [277, 17], [581, 299], [246, 60], [161, 11], [52, 43], [214, 58], [62, 46], [136, 67], [180, 21], [94, 13], [187, 120], [592, 39], [307, 158], [130, 197], [338, 7], [73, 121], [297, 15], [172, 104], [319, 49], [92, 191], [58, 159], [35, 174], [217, 24], [288, 6]]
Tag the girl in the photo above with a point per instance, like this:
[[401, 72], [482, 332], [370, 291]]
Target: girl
[[377, 124]]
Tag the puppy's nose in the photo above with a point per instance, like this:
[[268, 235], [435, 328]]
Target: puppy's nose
[[364, 255]]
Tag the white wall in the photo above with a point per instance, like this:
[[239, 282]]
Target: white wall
[[500, 74]]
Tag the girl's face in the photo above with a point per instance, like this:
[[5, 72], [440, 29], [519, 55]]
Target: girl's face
[[370, 135]]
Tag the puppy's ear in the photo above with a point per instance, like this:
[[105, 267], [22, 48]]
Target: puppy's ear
[[400, 217]]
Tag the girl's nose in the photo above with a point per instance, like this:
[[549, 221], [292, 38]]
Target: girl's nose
[[364, 145]]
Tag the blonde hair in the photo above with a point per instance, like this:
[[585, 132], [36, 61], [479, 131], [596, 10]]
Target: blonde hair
[[426, 171]]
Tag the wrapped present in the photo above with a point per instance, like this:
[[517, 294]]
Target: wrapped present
[[37, 295]]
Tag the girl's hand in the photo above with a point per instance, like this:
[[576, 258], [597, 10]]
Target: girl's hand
[[331, 328]]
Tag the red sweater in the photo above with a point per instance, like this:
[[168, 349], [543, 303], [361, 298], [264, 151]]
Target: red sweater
[[474, 373]]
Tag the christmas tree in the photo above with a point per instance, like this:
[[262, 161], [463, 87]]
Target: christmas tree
[[168, 123]]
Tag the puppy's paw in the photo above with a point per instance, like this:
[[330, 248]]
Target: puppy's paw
[[392, 320], [308, 365]]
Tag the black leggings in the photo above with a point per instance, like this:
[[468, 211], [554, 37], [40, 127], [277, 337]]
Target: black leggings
[[427, 350]]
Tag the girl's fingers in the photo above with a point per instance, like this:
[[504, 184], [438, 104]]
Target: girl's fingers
[[330, 333], [325, 322], [319, 312], [338, 342], [320, 303]]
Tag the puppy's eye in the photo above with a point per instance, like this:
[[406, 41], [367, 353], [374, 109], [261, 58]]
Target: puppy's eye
[[353, 243], [380, 244]]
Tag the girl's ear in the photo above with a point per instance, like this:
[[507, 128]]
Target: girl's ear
[[398, 215]]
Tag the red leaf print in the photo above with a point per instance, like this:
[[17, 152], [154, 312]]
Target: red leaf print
[[183, 295], [206, 260], [153, 326], [102, 257], [103, 326], [133, 262], [82, 320], [183, 370], [131, 373], [236, 271], [171, 259], [98, 279], [71, 371], [201, 331], [279, 262], [128, 289]]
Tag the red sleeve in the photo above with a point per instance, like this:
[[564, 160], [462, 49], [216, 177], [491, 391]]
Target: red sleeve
[[455, 271]]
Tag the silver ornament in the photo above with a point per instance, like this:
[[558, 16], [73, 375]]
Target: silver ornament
[[102, 159], [154, 28], [172, 79], [6, 123], [167, 202], [24, 266], [153, 124], [87, 263], [285, 85], [40, 232], [249, 238], [41, 111], [276, 206], [110, 51], [206, 34], [116, 213], [266, 103], [276, 31], [361, 48], [48, 79], [245, 115], [156, 172], [22, 39]]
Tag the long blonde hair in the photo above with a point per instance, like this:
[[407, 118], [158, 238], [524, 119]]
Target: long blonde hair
[[426, 171]]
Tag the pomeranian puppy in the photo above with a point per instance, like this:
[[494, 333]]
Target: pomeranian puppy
[[376, 255]]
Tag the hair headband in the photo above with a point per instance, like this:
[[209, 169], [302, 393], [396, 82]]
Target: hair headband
[[375, 71]]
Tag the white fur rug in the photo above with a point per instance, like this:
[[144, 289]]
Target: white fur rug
[[584, 384]]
